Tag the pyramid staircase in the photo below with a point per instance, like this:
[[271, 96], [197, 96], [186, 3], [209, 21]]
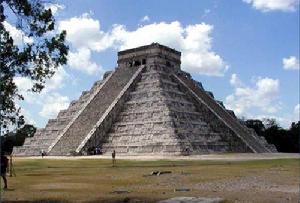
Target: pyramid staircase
[[44, 137], [82, 128], [146, 106], [214, 109]]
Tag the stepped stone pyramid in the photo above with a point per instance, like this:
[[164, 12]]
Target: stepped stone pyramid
[[147, 105]]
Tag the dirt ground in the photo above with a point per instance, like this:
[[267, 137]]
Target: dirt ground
[[233, 177]]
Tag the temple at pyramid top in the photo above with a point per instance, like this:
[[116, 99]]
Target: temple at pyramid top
[[149, 54], [147, 105]]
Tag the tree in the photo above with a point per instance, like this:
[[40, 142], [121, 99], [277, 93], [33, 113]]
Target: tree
[[271, 123], [294, 137], [285, 140], [11, 139], [255, 124], [36, 59]]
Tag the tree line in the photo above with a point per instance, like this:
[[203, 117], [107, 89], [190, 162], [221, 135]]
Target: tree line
[[285, 140]]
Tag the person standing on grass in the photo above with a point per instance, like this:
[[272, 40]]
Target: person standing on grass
[[42, 153], [4, 164], [113, 155]]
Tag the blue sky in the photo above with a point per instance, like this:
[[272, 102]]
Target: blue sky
[[245, 51]]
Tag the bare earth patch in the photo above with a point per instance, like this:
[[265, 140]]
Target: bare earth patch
[[61, 186]]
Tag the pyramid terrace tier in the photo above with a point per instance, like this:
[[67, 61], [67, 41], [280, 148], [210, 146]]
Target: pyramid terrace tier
[[158, 114], [163, 136], [168, 148]]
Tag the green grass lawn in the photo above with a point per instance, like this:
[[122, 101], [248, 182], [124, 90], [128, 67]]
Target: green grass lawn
[[95, 180]]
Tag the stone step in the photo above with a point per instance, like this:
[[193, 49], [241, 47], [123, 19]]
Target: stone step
[[158, 104], [153, 91], [165, 149], [56, 127], [153, 111], [155, 68], [62, 113], [153, 72], [159, 121], [161, 138], [39, 131], [85, 95], [28, 140], [177, 117], [156, 84], [157, 81], [142, 148], [156, 75], [159, 94], [95, 86], [158, 101], [19, 151]]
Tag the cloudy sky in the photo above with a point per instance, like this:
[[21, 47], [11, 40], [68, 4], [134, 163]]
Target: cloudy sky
[[245, 51]]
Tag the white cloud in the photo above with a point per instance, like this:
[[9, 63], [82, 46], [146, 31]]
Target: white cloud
[[28, 117], [284, 120], [262, 97], [57, 80], [24, 86], [194, 41], [23, 83], [81, 61], [48, 100], [54, 83], [291, 63], [273, 5], [53, 104], [54, 7], [145, 19], [17, 35], [84, 32], [168, 34], [235, 81], [85, 36]]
